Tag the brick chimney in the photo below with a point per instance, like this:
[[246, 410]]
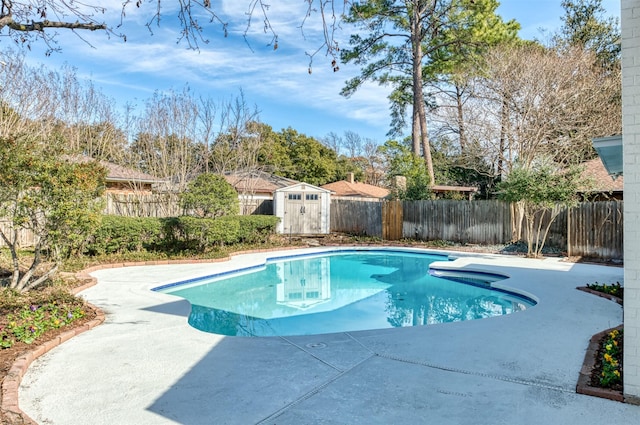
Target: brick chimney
[[351, 178]]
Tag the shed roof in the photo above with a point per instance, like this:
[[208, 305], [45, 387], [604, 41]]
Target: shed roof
[[302, 186]]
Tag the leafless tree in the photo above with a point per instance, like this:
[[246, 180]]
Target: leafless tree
[[27, 98], [353, 143], [374, 172], [88, 119], [51, 102], [165, 145], [236, 142], [333, 142], [537, 101], [28, 21]]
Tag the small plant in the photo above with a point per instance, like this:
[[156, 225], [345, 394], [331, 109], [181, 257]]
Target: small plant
[[439, 243], [28, 322], [614, 289], [611, 359]]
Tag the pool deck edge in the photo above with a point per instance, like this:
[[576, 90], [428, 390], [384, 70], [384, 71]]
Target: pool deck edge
[[11, 384]]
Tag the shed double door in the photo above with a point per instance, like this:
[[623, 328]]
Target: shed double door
[[302, 213]]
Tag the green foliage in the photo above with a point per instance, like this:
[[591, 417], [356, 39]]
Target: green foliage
[[450, 35], [401, 162], [118, 235], [456, 168], [27, 318], [256, 228], [611, 359], [585, 25], [614, 289], [299, 157], [209, 195], [203, 234], [543, 186], [44, 191], [538, 190]]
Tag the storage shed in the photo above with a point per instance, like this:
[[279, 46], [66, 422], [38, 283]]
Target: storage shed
[[303, 209]]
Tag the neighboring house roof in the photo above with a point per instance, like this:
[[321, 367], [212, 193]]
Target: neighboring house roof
[[356, 189], [257, 181], [602, 181], [118, 173]]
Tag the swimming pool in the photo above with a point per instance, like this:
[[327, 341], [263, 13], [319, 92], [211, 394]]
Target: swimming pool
[[341, 291]]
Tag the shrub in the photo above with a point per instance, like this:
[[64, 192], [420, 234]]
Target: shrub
[[203, 233], [614, 289], [209, 195], [256, 228], [125, 234], [118, 235]]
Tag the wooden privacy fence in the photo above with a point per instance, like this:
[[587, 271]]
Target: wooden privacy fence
[[591, 229], [142, 205], [362, 218], [25, 236], [596, 229], [476, 222], [392, 220], [168, 205]]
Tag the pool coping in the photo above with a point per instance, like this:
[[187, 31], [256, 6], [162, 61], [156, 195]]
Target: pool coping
[[11, 383]]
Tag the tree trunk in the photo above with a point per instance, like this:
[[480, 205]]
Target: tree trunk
[[460, 118], [419, 136]]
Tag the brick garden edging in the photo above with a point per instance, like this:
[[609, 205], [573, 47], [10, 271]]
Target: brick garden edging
[[584, 379], [11, 382]]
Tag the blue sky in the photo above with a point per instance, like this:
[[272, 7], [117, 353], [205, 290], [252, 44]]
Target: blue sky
[[276, 82]]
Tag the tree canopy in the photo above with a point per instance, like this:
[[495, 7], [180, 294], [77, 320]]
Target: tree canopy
[[586, 26], [539, 189], [403, 43], [55, 197]]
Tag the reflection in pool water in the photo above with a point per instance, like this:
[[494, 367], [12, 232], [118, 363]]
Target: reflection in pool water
[[345, 291]]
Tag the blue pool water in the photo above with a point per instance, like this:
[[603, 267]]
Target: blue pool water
[[339, 292]]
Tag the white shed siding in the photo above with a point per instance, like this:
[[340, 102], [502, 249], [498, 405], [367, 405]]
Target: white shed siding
[[303, 209]]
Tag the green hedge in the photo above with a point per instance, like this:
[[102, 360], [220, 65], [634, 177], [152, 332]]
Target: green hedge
[[118, 234], [129, 234]]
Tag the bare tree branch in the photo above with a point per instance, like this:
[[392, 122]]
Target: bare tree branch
[[40, 26]]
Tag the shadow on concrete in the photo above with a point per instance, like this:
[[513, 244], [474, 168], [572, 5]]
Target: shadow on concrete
[[176, 308]]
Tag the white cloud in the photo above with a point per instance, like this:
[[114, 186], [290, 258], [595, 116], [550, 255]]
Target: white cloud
[[277, 81]]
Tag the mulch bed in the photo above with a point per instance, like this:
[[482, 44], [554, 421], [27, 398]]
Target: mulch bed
[[589, 379]]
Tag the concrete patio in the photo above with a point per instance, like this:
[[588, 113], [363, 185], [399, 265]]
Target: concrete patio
[[146, 365]]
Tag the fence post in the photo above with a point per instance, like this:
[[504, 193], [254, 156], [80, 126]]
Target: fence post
[[569, 231]]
